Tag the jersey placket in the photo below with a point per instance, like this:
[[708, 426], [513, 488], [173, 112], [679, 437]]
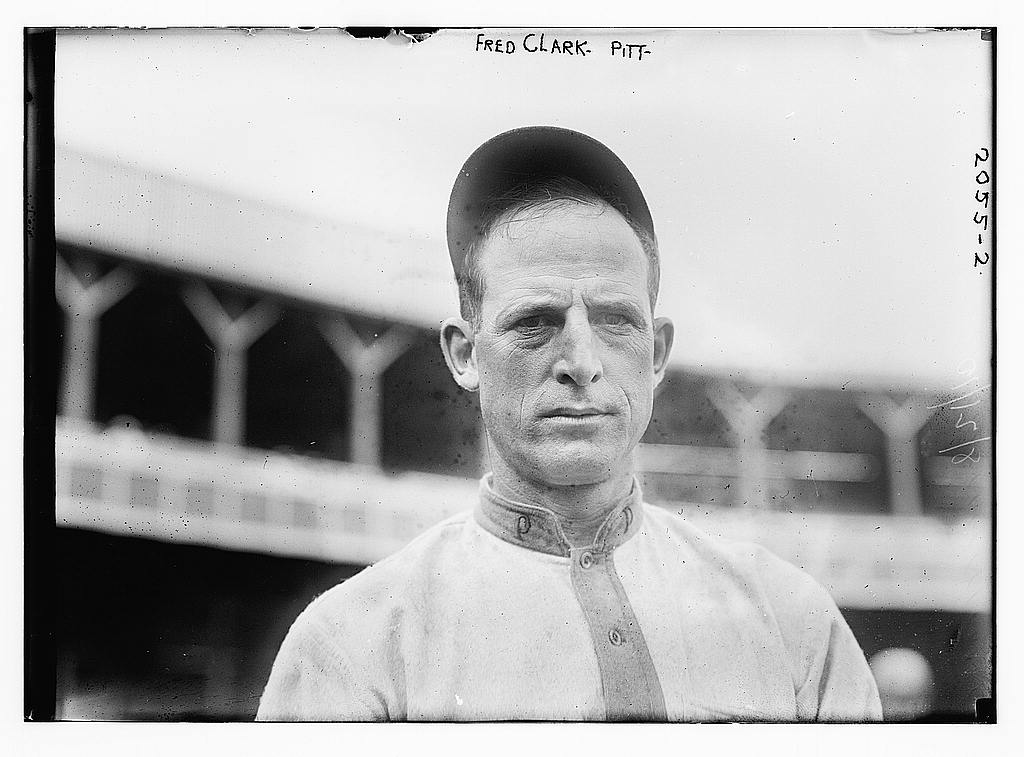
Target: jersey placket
[[629, 680]]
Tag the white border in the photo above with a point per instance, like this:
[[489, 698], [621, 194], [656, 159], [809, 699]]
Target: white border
[[176, 739]]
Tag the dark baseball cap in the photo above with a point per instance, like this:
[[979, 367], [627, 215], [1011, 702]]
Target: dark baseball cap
[[534, 153]]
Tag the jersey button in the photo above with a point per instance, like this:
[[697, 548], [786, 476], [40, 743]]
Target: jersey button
[[615, 637], [586, 560]]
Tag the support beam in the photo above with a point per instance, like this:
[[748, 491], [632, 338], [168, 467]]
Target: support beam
[[366, 364], [85, 303], [900, 423], [748, 420], [231, 337]]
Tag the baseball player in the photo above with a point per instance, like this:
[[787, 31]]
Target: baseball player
[[562, 595]]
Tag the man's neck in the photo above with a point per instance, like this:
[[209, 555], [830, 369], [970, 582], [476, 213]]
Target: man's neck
[[580, 508]]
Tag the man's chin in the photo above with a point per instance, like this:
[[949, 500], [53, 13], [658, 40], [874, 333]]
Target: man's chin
[[566, 469]]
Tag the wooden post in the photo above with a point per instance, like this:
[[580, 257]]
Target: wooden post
[[84, 304], [366, 364], [231, 339], [748, 420], [900, 424]]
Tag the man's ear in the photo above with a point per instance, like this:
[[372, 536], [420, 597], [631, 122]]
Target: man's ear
[[664, 333], [460, 353]]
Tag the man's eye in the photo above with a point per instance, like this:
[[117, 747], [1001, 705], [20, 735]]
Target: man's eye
[[613, 319], [533, 322]]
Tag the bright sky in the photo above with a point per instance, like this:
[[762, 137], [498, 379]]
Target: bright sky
[[813, 191]]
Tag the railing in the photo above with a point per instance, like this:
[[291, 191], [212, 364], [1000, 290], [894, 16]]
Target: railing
[[166, 488], [161, 487], [970, 483], [725, 462]]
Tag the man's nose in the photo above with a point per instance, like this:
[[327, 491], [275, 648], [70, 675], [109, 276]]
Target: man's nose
[[579, 362]]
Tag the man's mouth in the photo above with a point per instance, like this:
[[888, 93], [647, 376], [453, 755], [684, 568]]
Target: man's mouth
[[575, 412]]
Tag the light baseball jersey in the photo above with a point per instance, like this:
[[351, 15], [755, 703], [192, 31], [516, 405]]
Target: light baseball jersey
[[492, 615]]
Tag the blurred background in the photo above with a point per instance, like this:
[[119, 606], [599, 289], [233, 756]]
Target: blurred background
[[252, 270]]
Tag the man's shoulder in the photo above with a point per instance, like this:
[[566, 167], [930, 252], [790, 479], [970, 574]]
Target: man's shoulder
[[375, 590], [745, 563]]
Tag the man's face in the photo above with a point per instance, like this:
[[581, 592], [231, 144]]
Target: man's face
[[566, 348]]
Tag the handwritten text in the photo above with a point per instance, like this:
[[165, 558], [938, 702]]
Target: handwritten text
[[982, 195], [543, 42]]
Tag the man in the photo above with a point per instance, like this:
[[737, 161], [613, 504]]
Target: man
[[562, 595]]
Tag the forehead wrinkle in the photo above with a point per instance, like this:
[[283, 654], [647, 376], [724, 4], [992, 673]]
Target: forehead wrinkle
[[529, 297], [553, 285], [559, 248], [552, 272], [613, 297], [601, 291]]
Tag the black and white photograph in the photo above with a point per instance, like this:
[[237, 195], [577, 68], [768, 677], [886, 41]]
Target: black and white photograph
[[509, 374]]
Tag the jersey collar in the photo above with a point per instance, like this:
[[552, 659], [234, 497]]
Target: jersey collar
[[538, 528]]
